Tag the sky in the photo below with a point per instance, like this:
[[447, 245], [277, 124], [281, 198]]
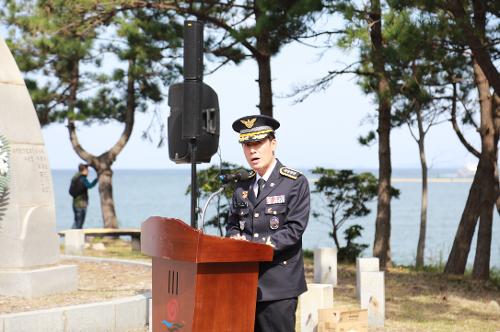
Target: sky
[[321, 131]]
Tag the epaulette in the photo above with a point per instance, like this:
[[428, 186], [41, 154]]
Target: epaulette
[[291, 173]]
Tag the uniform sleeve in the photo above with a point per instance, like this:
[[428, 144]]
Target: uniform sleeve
[[297, 217], [232, 227]]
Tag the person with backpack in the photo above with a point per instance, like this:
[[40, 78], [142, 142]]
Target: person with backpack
[[78, 189]]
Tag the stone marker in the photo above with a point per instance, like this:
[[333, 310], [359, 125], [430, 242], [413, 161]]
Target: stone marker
[[369, 264], [372, 297], [325, 266], [74, 242], [150, 315], [318, 296], [29, 244]]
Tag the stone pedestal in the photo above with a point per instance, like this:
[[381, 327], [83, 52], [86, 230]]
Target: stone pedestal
[[38, 281], [369, 264], [29, 245], [372, 297], [325, 266], [318, 296]]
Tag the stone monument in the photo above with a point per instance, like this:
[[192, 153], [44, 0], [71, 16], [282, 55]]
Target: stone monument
[[29, 244]]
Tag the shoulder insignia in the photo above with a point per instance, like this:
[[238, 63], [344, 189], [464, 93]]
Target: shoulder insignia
[[291, 173]]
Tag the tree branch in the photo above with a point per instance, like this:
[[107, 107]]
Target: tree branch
[[129, 116], [74, 82], [454, 123], [476, 42], [304, 91]]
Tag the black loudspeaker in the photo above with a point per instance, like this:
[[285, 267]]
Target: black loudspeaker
[[193, 50], [208, 121], [192, 97], [193, 76]]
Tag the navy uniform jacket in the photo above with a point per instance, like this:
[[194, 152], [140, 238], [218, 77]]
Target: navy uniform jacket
[[281, 214]]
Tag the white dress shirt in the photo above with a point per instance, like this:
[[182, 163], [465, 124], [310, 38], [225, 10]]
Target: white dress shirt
[[265, 177]]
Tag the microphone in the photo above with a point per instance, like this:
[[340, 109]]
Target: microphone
[[240, 175]]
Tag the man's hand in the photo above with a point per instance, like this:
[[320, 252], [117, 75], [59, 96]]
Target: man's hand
[[238, 237], [269, 243]]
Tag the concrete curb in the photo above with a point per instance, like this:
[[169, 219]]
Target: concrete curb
[[107, 260], [118, 315]]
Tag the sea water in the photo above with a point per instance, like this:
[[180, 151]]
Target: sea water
[[139, 194]]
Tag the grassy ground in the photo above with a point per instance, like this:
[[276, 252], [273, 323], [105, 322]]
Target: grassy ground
[[110, 247], [415, 301], [427, 300]]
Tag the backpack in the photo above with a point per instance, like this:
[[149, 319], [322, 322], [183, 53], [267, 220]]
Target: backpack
[[77, 187]]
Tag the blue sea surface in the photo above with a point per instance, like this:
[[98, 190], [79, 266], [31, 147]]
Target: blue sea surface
[[139, 194]]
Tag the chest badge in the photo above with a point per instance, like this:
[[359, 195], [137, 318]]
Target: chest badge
[[275, 199], [244, 194], [274, 223]]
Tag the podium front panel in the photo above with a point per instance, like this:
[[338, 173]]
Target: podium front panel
[[174, 288], [226, 295]]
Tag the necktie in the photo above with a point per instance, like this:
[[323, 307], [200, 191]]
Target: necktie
[[260, 185]]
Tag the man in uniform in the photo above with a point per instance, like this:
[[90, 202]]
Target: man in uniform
[[271, 207]]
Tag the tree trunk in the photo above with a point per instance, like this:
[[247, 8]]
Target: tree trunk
[[482, 196], [496, 121], [457, 260], [263, 58], [481, 268], [105, 176], [381, 246], [265, 85], [334, 232], [423, 212], [103, 163]]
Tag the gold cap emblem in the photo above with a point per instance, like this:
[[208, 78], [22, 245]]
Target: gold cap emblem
[[249, 123]]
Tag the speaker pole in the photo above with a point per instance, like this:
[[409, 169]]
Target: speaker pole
[[194, 185]]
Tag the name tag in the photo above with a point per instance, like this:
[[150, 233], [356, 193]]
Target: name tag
[[275, 199]]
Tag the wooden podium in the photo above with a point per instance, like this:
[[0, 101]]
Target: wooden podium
[[201, 282]]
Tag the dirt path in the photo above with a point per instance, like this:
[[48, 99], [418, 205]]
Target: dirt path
[[98, 281]]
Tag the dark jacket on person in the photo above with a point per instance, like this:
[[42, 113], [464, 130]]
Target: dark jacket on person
[[280, 215], [82, 201]]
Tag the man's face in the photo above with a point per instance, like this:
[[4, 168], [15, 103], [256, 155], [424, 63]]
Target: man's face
[[260, 154]]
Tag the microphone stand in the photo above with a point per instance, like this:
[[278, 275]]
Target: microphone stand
[[203, 212]]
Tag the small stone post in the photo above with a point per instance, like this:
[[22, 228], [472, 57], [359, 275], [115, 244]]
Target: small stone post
[[325, 266]]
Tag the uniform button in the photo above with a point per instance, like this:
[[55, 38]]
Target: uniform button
[[256, 235], [256, 215]]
